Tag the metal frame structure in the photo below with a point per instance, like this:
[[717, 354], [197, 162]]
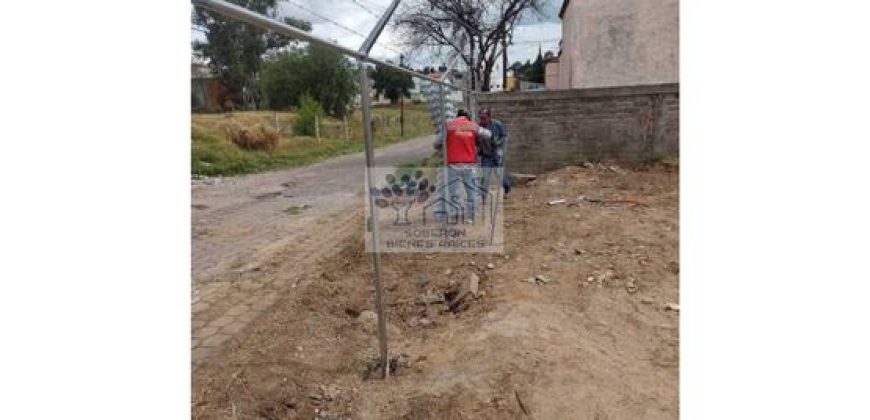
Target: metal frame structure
[[362, 56], [253, 18]]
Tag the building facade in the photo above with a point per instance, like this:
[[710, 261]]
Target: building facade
[[617, 43], [551, 73]]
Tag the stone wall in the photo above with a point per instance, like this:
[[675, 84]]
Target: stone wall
[[551, 129]]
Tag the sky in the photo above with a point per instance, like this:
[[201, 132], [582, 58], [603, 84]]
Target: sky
[[359, 16]]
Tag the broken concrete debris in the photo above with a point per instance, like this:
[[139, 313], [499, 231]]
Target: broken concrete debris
[[631, 286], [431, 297], [538, 279], [474, 285]]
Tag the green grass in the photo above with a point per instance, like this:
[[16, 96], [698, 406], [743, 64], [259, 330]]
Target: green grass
[[212, 154]]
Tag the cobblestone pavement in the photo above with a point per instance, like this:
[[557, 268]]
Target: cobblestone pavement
[[247, 231]]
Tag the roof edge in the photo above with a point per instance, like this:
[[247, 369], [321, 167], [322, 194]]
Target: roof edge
[[564, 6]]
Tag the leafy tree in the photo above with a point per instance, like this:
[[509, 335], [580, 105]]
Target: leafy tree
[[531, 71], [331, 79], [327, 76], [309, 111], [391, 83], [537, 71], [233, 48], [281, 80]]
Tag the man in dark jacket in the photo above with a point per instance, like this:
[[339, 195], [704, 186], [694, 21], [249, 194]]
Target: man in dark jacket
[[492, 153]]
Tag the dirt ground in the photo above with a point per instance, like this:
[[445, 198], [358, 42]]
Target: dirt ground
[[596, 340], [254, 236]]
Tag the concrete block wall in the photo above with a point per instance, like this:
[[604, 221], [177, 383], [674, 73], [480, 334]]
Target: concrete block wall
[[552, 129]]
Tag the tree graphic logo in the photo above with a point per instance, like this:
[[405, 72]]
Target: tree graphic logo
[[401, 192]]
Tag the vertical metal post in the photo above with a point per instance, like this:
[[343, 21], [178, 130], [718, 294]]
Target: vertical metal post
[[365, 100], [443, 134], [473, 103], [317, 128], [504, 64], [401, 103]]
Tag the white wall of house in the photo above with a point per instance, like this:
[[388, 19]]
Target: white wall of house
[[619, 43]]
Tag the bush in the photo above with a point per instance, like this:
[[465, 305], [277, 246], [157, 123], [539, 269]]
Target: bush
[[261, 138], [326, 75], [309, 112]]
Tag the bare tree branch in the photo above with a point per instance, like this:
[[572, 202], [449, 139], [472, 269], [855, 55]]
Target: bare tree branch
[[484, 25]]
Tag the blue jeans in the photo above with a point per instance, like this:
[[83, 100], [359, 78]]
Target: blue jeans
[[488, 164], [460, 174]]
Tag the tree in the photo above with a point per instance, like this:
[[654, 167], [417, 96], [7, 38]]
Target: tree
[[309, 111], [325, 75], [473, 29], [391, 83], [537, 72], [234, 49], [531, 71]]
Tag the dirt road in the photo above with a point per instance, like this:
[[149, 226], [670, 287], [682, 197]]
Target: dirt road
[[240, 224]]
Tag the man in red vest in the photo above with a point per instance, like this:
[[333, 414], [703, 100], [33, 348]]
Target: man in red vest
[[463, 136]]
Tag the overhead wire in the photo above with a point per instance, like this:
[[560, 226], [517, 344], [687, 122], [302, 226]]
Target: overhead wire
[[339, 25], [360, 5]]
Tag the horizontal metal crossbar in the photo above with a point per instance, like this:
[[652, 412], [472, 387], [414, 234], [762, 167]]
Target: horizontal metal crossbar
[[235, 11]]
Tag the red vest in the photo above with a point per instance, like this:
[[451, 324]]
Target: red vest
[[461, 138]]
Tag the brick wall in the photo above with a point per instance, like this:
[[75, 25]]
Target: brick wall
[[551, 129]]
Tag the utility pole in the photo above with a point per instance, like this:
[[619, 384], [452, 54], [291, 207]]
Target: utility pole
[[504, 63], [504, 57], [471, 68], [401, 102]]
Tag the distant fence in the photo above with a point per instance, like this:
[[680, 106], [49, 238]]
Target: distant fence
[[554, 128]]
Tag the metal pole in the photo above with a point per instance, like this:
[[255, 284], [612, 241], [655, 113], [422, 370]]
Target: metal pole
[[365, 100], [494, 215], [376, 31], [401, 104], [445, 189], [504, 64], [474, 106]]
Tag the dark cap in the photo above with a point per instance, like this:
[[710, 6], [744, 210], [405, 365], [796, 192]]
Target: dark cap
[[484, 111], [462, 113]]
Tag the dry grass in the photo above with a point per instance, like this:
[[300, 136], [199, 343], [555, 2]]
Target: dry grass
[[259, 138], [252, 141]]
